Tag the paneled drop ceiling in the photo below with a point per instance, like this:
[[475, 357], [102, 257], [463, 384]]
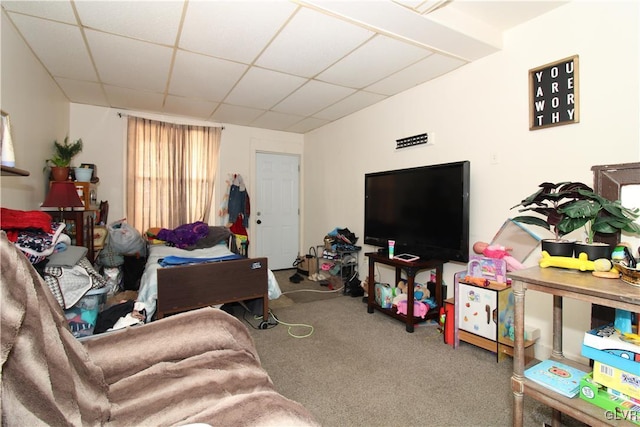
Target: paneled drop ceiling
[[282, 65]]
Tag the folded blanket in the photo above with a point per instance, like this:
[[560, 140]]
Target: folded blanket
[[216, 235], [37, 245], [178, 260], [12, 220]]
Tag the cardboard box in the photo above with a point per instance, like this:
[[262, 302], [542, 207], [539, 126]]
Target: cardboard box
[[608, 338], [617, 379], [618, 408], [616, 358]]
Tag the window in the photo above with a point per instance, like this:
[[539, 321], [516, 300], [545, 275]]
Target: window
[[171, 171]]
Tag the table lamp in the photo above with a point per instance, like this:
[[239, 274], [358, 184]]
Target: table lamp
[[62, 194]]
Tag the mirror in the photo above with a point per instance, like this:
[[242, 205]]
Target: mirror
[[616, 182], [630, 197], [619, 182]]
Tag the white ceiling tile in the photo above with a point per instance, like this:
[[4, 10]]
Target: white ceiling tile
[[237, 30], [353, 103], [375, 60], [397, 21], [130, 63], [310, 43], [425, 70], [83, 92], [276, 121], [312, 97], [189, 107], [134, 99], [306, 125], [59, 46], [237, 115], [204, 77], [263, 89], [196, 58], [154, 21], [55, 10]]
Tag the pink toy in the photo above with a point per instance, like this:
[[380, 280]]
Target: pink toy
[[419, 309], [498, 252]]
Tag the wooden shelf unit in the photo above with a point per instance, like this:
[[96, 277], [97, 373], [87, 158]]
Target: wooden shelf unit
[[410, 269], [562, 283]]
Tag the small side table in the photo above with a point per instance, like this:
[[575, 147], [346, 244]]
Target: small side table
[[411, 269]]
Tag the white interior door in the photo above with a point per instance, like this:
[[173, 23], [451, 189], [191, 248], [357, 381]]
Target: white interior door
[[277, 214]]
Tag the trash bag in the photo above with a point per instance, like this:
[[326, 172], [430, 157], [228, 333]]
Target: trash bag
[[126, 240]]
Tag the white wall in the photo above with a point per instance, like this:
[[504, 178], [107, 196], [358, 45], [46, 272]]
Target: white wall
[[39, 114], [480, 111]]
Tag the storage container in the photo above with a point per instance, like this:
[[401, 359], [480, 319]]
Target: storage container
[[384, 295], [83, 315]]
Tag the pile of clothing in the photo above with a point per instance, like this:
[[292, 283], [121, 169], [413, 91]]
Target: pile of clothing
[[339, 239], [64, 267], [34, 233]]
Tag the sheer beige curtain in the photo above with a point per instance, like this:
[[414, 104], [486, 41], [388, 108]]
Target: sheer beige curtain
[[170, 172]]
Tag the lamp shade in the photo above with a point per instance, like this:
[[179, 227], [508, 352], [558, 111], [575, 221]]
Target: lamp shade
[[62, 194]]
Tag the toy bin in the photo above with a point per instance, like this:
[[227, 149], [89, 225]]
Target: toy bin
[[83, 315]]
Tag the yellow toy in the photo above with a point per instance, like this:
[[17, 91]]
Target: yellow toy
[[581, 263]]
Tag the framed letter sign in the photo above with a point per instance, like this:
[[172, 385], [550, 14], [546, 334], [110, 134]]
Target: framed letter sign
[[553, 94]]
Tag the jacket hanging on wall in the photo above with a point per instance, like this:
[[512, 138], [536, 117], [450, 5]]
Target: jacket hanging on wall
[[236, 201]]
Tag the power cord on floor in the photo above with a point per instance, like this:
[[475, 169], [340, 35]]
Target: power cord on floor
[[314, 290], [290, 326]]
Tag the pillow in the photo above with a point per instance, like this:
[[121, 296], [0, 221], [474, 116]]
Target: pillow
[[67, 258]]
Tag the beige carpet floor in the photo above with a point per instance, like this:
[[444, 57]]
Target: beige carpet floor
[[353, 368]]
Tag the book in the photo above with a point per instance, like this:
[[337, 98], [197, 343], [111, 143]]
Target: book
[[606, 337], [556, 376], [620, 359]]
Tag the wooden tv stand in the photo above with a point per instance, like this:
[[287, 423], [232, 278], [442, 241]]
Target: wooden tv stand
[[410, 268]]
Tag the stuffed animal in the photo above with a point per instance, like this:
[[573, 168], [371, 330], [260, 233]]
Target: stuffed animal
[[365, 285], [420, 292]]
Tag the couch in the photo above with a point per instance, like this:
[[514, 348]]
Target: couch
[[195, 367]]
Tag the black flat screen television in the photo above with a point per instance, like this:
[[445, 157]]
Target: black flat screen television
[[425, 210]]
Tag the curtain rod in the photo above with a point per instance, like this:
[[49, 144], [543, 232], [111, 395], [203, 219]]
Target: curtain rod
[[121, 115]]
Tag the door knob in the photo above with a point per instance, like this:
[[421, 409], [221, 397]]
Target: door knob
[[258, 222]]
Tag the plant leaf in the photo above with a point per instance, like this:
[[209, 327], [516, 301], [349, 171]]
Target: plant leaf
[[532, 220]]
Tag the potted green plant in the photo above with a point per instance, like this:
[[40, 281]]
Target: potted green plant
[[61, 161], [597, 215], [548, 203]]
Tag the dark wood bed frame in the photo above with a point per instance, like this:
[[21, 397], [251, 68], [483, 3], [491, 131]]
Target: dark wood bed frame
[[194, 286]]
